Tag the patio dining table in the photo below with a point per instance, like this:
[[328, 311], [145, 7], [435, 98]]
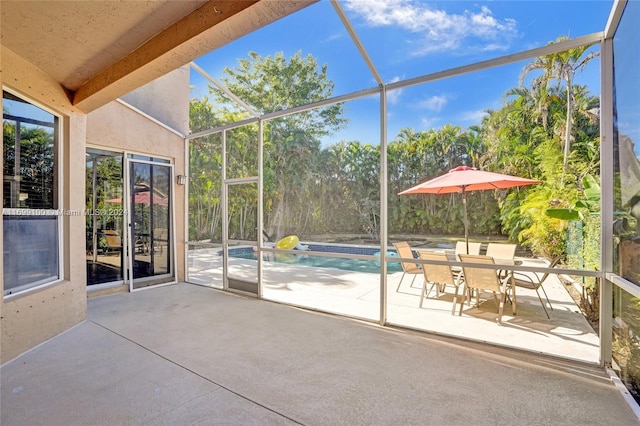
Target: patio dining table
[[506, 264]]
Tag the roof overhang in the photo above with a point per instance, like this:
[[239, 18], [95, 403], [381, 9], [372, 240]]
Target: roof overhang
[[101, 50]]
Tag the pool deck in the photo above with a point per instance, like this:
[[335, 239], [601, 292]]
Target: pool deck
[[567, 334], [188, 355]]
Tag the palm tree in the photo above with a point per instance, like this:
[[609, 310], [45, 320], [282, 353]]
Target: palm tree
[[562, 66], [475, 145]]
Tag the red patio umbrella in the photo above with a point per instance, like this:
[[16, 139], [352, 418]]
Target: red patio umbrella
[[463, 179], [144, 198]]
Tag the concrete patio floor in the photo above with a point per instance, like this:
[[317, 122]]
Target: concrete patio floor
[[565, 334], [186, 354]]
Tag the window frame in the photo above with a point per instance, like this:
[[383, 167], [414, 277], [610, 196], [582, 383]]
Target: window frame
[[58, 200]]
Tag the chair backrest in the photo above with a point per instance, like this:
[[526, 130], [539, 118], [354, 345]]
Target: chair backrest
[[482, 278], [404, 250], [112, 238], [436, 273], [461, 248], [553, 264], [501, 251], [160, 234]]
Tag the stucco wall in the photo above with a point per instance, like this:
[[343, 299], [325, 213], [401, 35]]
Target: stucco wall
[[32, 317], [165, 99], [118, 128]]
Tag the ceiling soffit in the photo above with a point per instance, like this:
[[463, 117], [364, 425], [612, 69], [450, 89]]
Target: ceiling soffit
[[101, 50]]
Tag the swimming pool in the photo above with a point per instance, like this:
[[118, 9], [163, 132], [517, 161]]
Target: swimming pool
[[304, 259]]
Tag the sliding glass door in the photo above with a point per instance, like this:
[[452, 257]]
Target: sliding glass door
[[104, 218], [150, 200]]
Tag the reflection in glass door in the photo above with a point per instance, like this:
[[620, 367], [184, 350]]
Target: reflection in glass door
[[150, 224], [104, 217]]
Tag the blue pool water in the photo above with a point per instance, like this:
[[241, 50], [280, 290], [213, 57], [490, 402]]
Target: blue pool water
[[303, 259]]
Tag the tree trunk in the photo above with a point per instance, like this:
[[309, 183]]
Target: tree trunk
[[567, 136], [276, 219]]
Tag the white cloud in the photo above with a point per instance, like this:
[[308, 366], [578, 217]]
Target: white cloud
[[434, 103], [473, 116], [332, 37], [429, 122], [393, 96], [437, 30], [492, 47]]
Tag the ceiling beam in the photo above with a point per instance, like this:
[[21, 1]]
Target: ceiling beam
[[214, 24]]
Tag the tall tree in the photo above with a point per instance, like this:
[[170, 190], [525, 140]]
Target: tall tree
[[269, 84], [205, 174], [562, 66]]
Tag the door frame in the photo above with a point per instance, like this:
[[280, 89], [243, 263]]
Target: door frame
[[125, 231], [225, 234], [171, 238]]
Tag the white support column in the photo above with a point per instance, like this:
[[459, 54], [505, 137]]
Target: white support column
[[260, 220], [225, 213], [383, 204], [185, 228], [607, 204]]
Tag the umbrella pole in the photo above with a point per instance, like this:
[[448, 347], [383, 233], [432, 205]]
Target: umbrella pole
[[466, 221]]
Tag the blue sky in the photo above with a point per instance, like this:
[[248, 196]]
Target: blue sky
[[410, 38]]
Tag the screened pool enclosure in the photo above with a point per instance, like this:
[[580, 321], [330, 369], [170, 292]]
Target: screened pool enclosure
[[285, 142]]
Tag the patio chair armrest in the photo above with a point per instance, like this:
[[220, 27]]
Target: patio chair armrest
[[523, 280], [507, 278], [524, 277]]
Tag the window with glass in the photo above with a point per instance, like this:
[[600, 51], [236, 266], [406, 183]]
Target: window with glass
[[29, 195]]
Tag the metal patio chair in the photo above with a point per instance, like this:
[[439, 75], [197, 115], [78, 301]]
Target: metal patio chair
[[534, 281], [404, 251], [439, 276], [477, 279]]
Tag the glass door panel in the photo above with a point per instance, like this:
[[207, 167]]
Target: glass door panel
[[150, 206], [104, 217]]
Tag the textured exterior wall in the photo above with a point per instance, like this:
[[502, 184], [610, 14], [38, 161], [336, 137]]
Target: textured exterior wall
[[165, 99], [117, 128], [34, 316]]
